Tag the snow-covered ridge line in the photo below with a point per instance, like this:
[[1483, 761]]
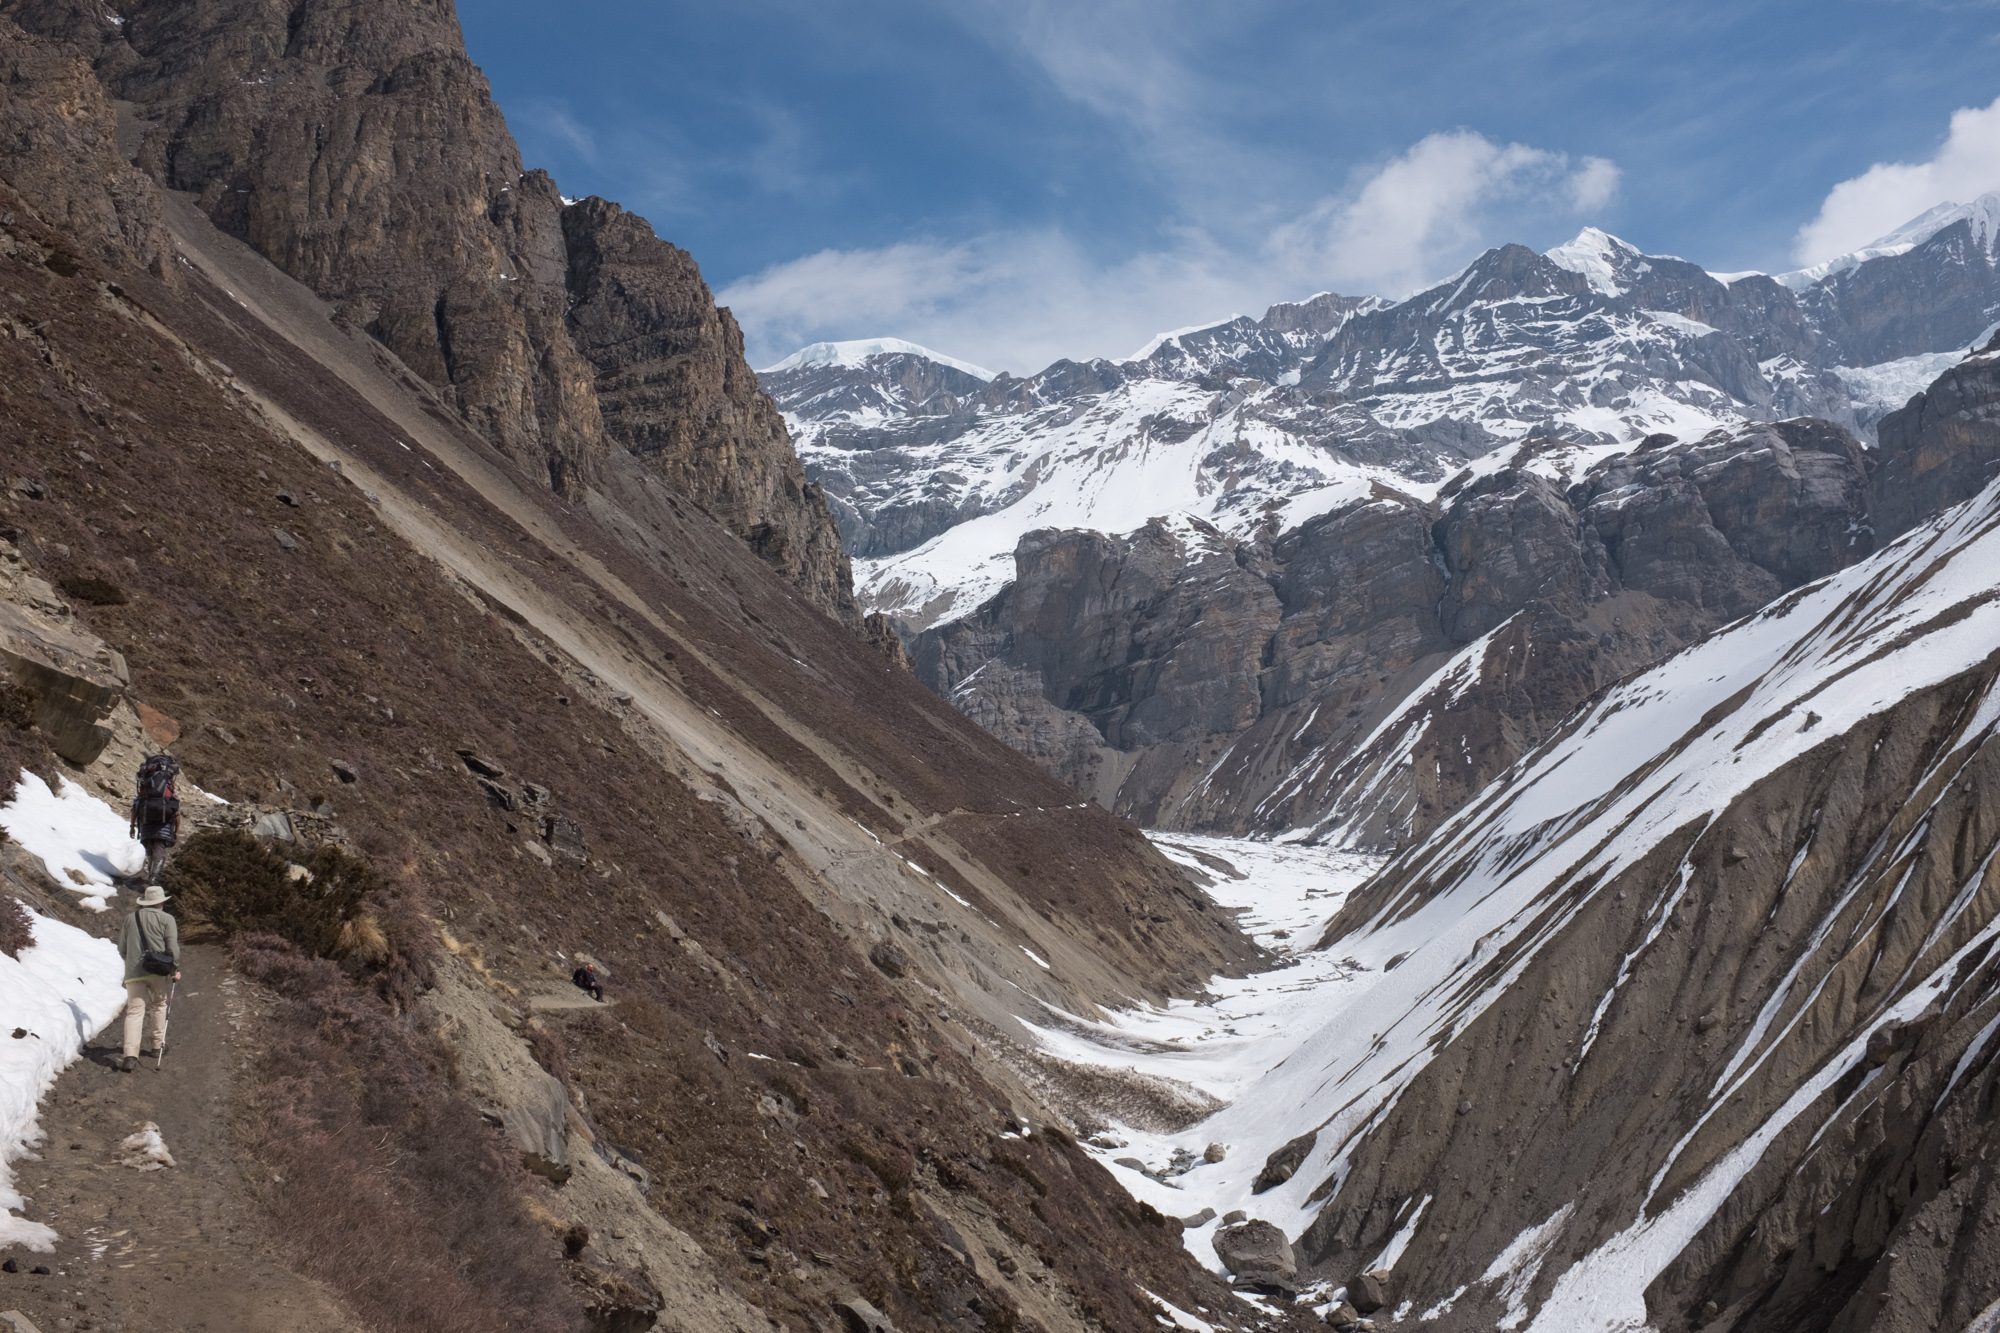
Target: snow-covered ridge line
[[857, 352], [1983, 212]]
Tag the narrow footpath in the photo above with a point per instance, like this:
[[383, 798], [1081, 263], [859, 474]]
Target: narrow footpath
[[171, 1250]]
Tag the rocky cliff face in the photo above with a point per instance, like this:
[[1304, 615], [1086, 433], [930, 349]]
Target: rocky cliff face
[[358, 149], [1369, 670], [63, 152], [673, 388]]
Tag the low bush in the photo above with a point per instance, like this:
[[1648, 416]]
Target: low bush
[[17, 928], [92, 590], [381, 1177], [17, 705], [330, 904]]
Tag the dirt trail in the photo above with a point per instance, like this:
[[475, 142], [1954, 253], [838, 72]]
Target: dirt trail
[[177, 1249]]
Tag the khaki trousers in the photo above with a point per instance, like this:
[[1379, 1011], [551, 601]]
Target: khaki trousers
[[146, 997]]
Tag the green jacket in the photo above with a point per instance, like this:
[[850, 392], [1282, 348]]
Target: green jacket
[[149, 928]]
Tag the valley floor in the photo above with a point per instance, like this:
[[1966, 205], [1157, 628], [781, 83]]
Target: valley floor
[[1284, 895]]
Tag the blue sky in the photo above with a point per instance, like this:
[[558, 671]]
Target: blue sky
[[1014, 180]]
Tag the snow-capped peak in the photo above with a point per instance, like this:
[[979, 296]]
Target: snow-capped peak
[[1983, 213], [855, 353], [1596, 255], [1162, 339]]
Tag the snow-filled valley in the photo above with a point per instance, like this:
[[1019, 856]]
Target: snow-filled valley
[[1845, 928]]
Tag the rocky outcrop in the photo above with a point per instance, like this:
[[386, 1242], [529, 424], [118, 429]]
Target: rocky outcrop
[[1370, 669], [672, 387], [1943, 446], [59, 154], [359, 149], [67, 680], [1716, 967]]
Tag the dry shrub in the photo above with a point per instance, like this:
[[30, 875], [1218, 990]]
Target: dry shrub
[[92, 590], [17, 705], [383, 1180], [340, 908], [17, 928]]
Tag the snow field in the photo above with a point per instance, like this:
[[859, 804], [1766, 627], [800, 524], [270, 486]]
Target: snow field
[[1284, 895], [67, 985]]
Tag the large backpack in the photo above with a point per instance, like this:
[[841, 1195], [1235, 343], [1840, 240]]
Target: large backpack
[[156, 776], [156, 806]]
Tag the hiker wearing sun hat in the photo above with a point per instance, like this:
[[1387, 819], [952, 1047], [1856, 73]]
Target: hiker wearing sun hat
[[152, 947]]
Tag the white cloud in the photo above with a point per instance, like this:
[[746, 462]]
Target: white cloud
[[1018, 300], [1889, 194], [1425, 209]]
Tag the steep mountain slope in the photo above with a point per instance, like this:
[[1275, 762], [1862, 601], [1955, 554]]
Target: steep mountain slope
[[1258, 425], [361, 152], [589, 722], [1688, 1019]]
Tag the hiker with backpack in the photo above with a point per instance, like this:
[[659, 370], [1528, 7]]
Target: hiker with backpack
[[156, 812], [152, 948], [585, 979]]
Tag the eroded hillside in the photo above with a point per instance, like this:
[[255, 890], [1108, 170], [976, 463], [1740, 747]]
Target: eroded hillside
[[576, 720]]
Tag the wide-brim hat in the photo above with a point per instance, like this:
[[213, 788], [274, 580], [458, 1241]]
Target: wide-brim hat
[[153, 896]]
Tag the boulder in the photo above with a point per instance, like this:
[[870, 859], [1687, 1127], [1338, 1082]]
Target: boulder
[[617, 1299], [1369, 1291], [565, 838], [1343, 1316], [1283, 1164], [1215, 1152], [860, 1317], [890, 960], [1258, 1253], [68, 674]]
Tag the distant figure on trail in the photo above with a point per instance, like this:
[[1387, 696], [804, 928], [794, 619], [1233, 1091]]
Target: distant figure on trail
[[152, 948], [156, 811], [585, 980]]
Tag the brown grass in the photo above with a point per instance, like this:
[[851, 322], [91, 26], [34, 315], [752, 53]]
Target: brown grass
[[17, 928], [382, 1178]]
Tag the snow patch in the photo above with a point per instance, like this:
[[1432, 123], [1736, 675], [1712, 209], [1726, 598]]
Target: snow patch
[[58, 994], [145, 1149], [1594, 254], [85, 844]]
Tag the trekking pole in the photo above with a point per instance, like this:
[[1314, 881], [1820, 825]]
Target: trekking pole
[[160, 1056]]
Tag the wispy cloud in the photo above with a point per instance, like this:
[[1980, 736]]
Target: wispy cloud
[[545, 123], [1022, 298], [1889, 194]]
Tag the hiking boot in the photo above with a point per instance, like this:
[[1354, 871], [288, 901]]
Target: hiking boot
[[128, 1063]]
